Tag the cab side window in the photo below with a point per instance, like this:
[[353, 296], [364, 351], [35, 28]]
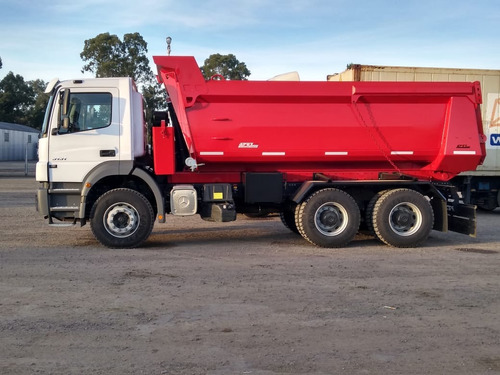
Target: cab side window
[[87, 111]]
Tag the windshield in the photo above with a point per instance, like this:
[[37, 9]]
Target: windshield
[[45, 125]]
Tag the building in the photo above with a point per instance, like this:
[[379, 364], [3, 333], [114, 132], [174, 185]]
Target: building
[[17, 142]]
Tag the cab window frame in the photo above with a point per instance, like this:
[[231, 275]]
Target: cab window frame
[[87, 111]]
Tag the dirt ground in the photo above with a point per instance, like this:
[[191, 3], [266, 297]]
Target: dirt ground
[[247, 297]]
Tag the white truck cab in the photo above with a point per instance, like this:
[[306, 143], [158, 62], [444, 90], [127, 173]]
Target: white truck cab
[[102, 122], [92, 128]]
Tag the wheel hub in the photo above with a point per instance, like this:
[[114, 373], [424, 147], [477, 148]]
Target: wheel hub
[[405, 219], [121, 220], [330, 219]]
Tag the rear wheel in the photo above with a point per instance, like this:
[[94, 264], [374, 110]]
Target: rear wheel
[[122, 218], [402, 218], [328, 218]]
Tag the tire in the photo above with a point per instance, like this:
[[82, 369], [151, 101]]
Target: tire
[[287, 217], [122, 218], [369, 213], [328, 218], [402, 218]]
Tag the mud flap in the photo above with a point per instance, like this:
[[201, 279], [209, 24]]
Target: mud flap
[[462, 219]]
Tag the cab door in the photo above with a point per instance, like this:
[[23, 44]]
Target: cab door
[[84, 133]]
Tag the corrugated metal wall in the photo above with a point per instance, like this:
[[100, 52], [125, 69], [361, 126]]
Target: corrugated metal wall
[[13, 145]]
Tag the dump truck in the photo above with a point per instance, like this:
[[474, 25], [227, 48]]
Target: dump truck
[[331, 158], [480, 186]]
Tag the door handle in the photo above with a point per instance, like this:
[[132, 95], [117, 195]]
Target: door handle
[[107, 153]]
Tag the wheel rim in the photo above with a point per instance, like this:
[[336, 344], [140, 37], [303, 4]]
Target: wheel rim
[[405, 219], [121, 220], [331, 219]]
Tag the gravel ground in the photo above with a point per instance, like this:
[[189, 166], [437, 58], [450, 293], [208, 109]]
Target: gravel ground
[[247, 297]]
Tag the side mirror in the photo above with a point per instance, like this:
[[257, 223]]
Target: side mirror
[[65, 123], [64, 102]]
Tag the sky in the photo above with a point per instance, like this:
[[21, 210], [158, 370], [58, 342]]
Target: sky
[[42, 39]]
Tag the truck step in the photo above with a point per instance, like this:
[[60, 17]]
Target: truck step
[[63, 209], [61, 224], [64, 191]]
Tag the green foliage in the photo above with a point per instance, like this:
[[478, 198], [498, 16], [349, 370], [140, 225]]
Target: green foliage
[[16, 96], [107, 56], [226, 65], [0, 63], [37, 111], [22, 102], [155, 98]]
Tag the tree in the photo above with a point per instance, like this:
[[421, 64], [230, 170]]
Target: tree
[[155, 98], [16, 98], [107, 56], [0, 63], [22, 102], [226, 65], [36, 112]]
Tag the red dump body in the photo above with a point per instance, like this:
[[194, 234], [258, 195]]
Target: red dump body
[[345, 130]]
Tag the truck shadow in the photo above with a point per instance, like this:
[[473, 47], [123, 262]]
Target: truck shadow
[[274, 236], [271, 233]]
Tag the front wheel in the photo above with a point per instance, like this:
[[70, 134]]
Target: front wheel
[[328, 218], [402, 218], [122, 218]]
